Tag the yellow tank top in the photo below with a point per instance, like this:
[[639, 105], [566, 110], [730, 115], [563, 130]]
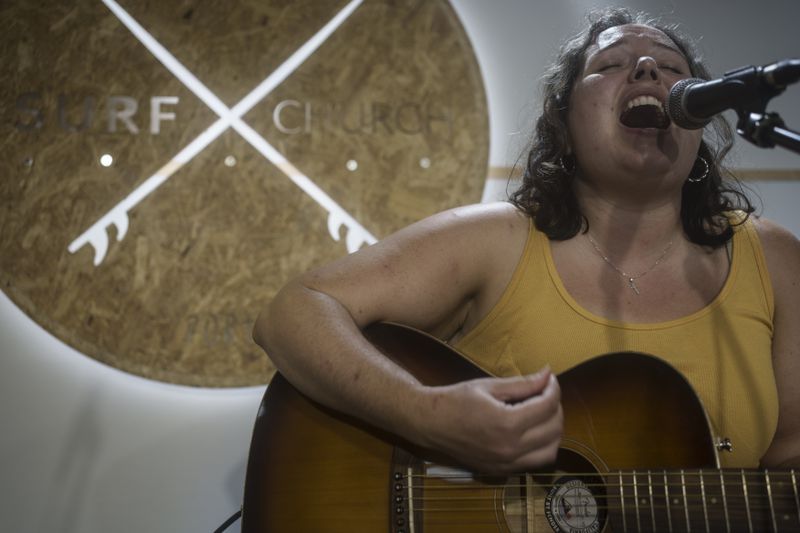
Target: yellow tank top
[[724, 349]]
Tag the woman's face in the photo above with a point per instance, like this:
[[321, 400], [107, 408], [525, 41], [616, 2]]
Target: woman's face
[[617, 112]]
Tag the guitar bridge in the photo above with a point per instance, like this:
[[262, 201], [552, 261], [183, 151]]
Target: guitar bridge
[[404, 516]]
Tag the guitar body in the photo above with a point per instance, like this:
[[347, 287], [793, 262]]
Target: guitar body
[[314, 470]]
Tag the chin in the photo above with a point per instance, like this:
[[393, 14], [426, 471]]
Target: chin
[[652, 165]]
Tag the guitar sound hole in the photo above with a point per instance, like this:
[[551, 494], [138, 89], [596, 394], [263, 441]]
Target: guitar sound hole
[[571, 498]]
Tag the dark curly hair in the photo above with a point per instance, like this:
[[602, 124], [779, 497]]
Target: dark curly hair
[[546, 194]]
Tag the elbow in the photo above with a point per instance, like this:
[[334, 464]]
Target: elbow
[[268, 322], [263, 323], [258, 333]]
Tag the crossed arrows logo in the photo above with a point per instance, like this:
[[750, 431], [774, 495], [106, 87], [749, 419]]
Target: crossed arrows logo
[[97, 235]]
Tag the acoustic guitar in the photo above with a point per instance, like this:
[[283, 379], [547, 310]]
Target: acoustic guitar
[[637, 455]]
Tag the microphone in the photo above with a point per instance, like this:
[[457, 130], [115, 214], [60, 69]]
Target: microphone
[[693, 102]]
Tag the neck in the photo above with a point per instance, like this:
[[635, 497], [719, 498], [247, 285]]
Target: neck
[[704, 500], [630, 228]]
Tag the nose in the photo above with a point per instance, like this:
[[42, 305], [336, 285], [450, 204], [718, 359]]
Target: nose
[[646, 69]]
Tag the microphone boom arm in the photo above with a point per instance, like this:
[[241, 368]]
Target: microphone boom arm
[[766, 130], [755, 124]]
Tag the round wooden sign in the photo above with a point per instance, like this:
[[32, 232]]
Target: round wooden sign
[[169, 165]]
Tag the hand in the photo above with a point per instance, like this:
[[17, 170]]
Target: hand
[[497, 425]]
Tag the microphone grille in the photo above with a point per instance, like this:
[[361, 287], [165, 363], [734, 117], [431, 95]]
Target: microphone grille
[[676, 107]]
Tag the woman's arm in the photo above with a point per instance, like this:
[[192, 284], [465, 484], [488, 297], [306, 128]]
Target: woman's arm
[[434, 275], [782, 251]]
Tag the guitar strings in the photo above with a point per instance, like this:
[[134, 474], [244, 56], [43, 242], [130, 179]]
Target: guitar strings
[[629, 473], [489, 515], [759, 500], [710, 479]]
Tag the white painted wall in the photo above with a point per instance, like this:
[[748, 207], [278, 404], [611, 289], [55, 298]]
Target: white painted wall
[[88, 449]]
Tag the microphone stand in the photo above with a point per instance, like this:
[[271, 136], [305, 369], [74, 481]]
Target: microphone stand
[[768, 129]]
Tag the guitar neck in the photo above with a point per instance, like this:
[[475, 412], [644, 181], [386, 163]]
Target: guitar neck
[[704, 500]]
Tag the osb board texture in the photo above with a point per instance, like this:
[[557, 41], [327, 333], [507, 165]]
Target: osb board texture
[[175, 299]]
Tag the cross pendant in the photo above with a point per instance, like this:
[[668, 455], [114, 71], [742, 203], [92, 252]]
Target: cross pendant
[[633, 286]]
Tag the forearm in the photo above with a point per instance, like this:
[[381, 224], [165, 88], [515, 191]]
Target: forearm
[[315, 343]]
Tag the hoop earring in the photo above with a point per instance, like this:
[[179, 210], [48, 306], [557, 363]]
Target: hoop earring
[[567, 169], [705, 173]]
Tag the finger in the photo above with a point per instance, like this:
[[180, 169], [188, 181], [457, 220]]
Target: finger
[[543, 454], [539, 445], [544, 433], [537, 458], [538, 408], [519, 388]]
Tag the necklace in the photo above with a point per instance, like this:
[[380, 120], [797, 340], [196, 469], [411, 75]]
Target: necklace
[[630, 279]]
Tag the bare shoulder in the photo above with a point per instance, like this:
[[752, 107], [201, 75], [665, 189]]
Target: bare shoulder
[[468, 232], [429, 272], [489, 218], [782, 252]]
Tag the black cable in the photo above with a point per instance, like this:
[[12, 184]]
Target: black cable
[[225, 525]]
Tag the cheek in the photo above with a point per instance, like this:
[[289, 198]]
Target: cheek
[[592, 105], [693, 140], [590, 122]]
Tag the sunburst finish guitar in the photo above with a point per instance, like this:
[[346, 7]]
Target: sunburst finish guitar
[[637, 455]]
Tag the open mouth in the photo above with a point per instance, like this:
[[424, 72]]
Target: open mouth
[[645, 112]]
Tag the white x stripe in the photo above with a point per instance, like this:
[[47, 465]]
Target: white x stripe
[[97, 234]]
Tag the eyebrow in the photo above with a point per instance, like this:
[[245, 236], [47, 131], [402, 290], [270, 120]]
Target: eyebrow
[[624, 40]]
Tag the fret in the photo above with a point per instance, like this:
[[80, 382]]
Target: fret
[[747, 503], [652, 502], [622, 502], [685, 502], [705, 504], [666, 498], [771, 502], [724, 502], [796, 498], [636, 501]]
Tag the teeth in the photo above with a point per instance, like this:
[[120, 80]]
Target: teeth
[[645, 100]]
